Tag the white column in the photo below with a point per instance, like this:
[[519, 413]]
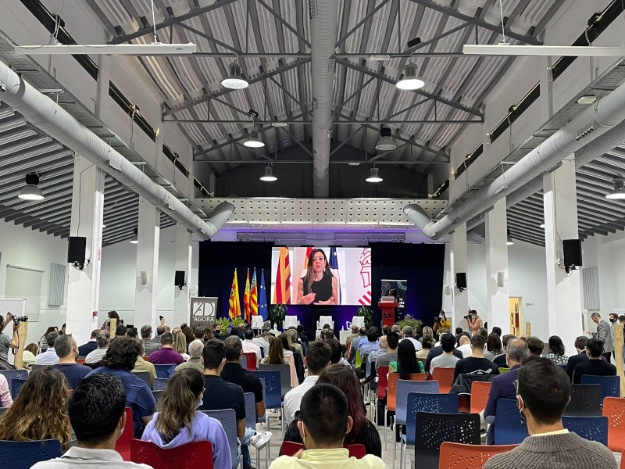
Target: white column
[[83, 288], [497, 267], [459, 265], [183, 262], [564, 297], [147, 264]]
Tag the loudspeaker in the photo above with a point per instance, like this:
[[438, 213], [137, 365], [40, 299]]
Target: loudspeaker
[[572, 253], [500, 279], [76, 248], [143, 277], [461, 280], [179, 279]]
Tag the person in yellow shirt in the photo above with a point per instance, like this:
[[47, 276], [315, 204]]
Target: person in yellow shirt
[[441, 322], [323, 426]]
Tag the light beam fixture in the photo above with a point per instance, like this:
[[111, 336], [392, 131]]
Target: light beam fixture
[[619, 189], [31, 191], [410, 81], [386, 142], [268, 176], [156, 48], [509, 240], [235, 80], [135, 237], [374, 177]]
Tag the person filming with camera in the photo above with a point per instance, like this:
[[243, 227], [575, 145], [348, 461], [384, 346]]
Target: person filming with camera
[[474, 321], [5, 342], [441, 322]]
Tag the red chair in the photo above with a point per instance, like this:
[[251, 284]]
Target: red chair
[[250, 358], [189, 456], [382, 381], [614, 410], [80, 360], [445, 378], [461, 456], [479, 396], [122, 446], [289, 448], [357, 451]]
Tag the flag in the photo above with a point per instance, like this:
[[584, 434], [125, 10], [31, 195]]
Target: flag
[[234, 306], [262, 297], [282, 291], [253, 298], [334, 265], [308, 251], [246, 296]]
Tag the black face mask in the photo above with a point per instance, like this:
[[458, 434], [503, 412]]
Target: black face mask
[[612, 320]]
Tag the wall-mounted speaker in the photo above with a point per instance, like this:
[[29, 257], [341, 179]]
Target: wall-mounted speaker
[[500, 279], [461, 280], [143, 277], [572, 249], [76, 249], [179, 279]]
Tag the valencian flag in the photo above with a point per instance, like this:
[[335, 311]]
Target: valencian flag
[[262, 297], [253, 299], [234, 306], [308, 251], [282, 291], [246, 296]]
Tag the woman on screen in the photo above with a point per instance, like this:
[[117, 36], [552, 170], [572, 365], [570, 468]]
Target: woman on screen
[[318, 286]]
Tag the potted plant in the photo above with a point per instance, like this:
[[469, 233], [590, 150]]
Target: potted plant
[[367, 313], [238, 322], [224, 325], [410, 321], [276, 314]]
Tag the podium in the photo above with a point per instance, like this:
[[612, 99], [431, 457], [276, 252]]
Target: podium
[[388, 312]]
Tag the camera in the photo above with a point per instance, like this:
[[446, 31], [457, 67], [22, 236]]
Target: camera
[[18, 319], [467, 317]]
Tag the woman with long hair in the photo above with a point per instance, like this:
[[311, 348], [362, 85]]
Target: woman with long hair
[[177, 422], [39, 411], [493, 346], [427, 342], [556, 351], [180, 345], [363, 431], [407, 362], [276, 353], [319, 286]]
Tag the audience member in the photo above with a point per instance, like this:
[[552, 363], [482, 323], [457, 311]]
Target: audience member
[[111, 315], [580, 346], [5, 393], [408, 334], [28, 357], [336, 354], [148, 345], [542, 395], [385, 358], [476, 363], [249, 346], [464, 346], [195, 357], [325, 421], [427, 342], [371, 344], [436, 351], [49, 357], [368, 360], [496, 330], [160, 330], [493, 346], [119, 361], [447, 358], [351, 353], [594, 365], [535, 345], [102, 339], [96, 412], [263, 342], [317, 359], [39, 411], [556, 351], [500, 360], [604, 335], [120, 330], [132, 332], [177, 422], [276, 354], [354, 333], [407, 362], [90, 346], [166, 354], [180, 345], [142, 365], [67, 350]]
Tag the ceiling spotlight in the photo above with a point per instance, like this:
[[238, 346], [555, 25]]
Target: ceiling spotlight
[[374, 176], [509, 240], [254, 140], [410, 80], [235, 80], [386, 142], [30, 190], [268, 176], [135, 237], [619, 189]]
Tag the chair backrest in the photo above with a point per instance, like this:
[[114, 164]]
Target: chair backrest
[[585, 401], [614, 410], [289, 448], [357, 451], [244, 362], [80, 360], [164, 371], [14, 374], [250, 361], [16, 385], [445, 378], [432, 403], [479, 395], [122, 445], [285, 376], [145, 376], [160, 384], [157, 395], [509, 429], [405, 387], [382, 381], [503, 369], [462, 456], [273, 396], [188, 456], [228, 420], [391, 390], [590, 428], [24, 454], [610, 385], [250, 409], [433, 429], [34, 367], [358, 359]]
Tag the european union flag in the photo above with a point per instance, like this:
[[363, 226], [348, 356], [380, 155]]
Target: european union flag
[[334, 260], [262, 297]]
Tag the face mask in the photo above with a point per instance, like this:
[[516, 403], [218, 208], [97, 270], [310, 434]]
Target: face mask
[[612, 320]]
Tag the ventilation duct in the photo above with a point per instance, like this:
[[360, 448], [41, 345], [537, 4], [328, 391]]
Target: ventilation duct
[[52, 119]]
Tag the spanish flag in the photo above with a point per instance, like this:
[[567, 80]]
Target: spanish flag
[[246, 296], [234, 305], [253, 299], [308, 251], [282, 290]]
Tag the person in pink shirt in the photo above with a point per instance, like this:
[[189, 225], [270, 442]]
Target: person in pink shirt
[[166, 354], [5, 393]]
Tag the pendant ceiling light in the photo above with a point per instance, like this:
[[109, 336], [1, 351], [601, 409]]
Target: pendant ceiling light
[[31, 191], [268, 176], [135, 237], [254, 140], [619, 189], [235, 80], [374, 176], [386, 142], [509, 240], [410, 81]]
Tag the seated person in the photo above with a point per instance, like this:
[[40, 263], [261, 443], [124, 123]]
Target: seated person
[[543, 393], [166, 354], [67, 350], [476, 363], [580, 346], [177, 422], [325, 421], [96, 412], [447, 359], [595, 365]]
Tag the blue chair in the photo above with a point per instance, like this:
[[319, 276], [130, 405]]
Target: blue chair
[[273, 397], [164, 371], [24, 454], [16, 385], [590, 428], [244, 362], [250, 410], [160, 384], [585, 401], [285, 376], [228, 420], [510, 429], [610, 385], [431, 403], [14, 374]]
